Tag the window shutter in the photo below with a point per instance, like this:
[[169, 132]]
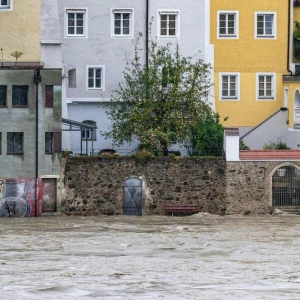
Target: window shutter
[[57, 142], [49, 98]]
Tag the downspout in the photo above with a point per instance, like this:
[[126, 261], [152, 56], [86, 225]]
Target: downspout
[[289, 38], [37, 80], [147, 35]]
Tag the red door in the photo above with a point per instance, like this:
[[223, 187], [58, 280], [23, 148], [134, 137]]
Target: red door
[[49, 195]]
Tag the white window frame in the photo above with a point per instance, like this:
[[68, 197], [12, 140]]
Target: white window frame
[[102, 67], [175, 12], [7, 7], [129, 11], [237, 87], [274, 25], [77, 10], [236, 25], [266, 98]]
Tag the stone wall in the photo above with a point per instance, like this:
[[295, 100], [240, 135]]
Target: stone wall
[[94, 185]]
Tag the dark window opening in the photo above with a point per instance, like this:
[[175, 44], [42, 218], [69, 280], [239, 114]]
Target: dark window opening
[[15, 142], [49, 142], [72, 78], [87, 133], [20, 95], [3, 92], [49, 96]]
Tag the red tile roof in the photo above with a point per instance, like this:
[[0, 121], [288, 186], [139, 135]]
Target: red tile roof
[[232, 131], [270, 155]]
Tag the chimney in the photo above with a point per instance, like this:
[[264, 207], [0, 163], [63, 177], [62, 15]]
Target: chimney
[[232, 144]]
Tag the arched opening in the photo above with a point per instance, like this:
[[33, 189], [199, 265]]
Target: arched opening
[[286, 187], [133, 197], [297, 109]]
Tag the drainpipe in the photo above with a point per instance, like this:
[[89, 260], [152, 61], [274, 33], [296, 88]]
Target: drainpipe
[[289, 38], [37, 80], [147, 34]]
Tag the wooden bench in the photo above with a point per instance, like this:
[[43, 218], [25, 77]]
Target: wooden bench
[[181, 208]]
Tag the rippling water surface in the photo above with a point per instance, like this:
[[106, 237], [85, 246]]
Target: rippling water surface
[[197, 257]]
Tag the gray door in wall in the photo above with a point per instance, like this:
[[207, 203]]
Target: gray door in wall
[[132, 203]]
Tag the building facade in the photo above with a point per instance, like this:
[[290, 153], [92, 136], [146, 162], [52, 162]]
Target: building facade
[[98, 39], [255, 68], [30, 113]]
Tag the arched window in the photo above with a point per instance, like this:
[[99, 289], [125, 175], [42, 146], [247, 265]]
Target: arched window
[[88, 133]]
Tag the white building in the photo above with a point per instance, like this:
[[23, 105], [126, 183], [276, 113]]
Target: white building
[[98, 39]]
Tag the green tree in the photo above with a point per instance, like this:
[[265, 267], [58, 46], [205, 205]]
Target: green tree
[[160, 101], [208, 138]]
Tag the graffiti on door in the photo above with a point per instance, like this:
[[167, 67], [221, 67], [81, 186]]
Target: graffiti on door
[[16, 197]]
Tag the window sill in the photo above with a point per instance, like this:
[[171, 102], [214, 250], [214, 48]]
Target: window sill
[[120, 36], [230, 98], [265, 37], [228, 37], [168, 37], [76, 36], [19, 106], [15, 153], [266, 98]]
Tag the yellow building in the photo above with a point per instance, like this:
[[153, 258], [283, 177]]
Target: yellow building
[[20, 29], [251, 46]]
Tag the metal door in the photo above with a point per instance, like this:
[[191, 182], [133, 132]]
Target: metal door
[[286, 187], [132, 203], [49, 195]]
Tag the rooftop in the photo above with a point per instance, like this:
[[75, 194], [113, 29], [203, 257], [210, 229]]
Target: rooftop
[[270, 155]]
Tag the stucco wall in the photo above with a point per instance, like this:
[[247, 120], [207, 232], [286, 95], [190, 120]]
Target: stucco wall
[[20, 30], [249, 55], [94, 185], [98, 47]]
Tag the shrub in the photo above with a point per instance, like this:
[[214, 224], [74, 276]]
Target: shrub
[[275, 146]]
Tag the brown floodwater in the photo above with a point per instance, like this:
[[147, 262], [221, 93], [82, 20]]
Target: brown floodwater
[[197, 257]]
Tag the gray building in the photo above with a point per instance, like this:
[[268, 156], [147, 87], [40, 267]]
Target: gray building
[[30, 114], [98, 39]]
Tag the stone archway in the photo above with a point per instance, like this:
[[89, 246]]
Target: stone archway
[[286, 186]]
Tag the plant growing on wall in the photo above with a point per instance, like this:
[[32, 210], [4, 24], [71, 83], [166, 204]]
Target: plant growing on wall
[[166, 99], [16, 54], [275, 146]]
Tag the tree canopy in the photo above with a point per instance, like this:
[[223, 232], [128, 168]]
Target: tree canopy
[[161, 101]]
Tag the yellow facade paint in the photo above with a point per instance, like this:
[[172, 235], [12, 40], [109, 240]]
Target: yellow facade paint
[[20, 30], [248, 56]]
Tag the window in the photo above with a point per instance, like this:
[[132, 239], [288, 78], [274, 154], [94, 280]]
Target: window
[[3, 90], [89, 134], [19, 95], [5, 4], [122, 22], [72, 78], [15, 142], [76, 23], [168, 24], [265, 25], [52, 142], [266, 86], [95, 77], [49, 96], [229, 86], [48, 142], [228, 24]]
